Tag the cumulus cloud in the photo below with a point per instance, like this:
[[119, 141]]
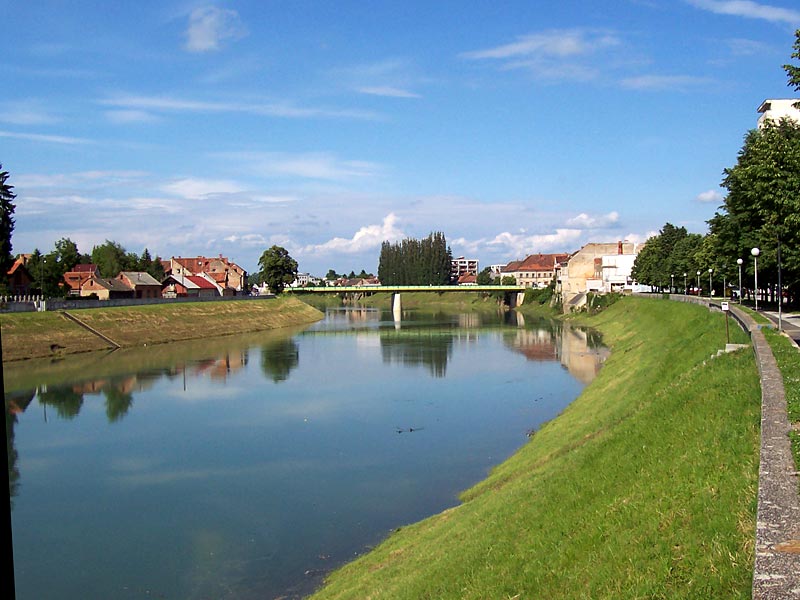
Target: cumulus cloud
[[522, 244], [710, 196], [367, 238], [749, 9], [209, 26], [248, 239], [585, 221]]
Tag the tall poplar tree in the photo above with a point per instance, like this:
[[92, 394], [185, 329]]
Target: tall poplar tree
[[7, 207]]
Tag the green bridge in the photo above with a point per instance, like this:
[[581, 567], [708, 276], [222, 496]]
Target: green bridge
[[513, 294]]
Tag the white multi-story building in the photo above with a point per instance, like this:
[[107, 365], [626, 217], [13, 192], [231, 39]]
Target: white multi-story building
[[463, 266], [777, 109]]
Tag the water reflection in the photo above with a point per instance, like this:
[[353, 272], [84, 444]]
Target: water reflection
[[258, 472]]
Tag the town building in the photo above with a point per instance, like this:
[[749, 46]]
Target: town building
[[19, 279], [600, 268], [536, 270], [224, 272], [105, 289], [79, 275], [143, 284], [777, 109], [463, 266]]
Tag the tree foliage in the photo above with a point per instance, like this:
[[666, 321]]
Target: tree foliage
[[111, 258], [416, 262], [792, 71], [762, 208], [278, 269], [484, 277], [7, 207], [667, 256]]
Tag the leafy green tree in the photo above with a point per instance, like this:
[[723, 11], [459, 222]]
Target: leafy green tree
[[762, 207], [485, 277], [111, 258], [331, 275], [416, 262], [793, 72], [278, 269], [7, 207], [508, 280]]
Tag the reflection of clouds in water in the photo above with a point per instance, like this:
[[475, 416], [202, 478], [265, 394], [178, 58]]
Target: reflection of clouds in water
[[31, 465], [198, 391]]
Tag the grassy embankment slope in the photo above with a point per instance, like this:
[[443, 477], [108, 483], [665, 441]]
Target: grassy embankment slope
[[645, 486], [31, 335], [788, 359]]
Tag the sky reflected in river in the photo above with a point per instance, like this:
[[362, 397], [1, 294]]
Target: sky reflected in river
[[248, 467]]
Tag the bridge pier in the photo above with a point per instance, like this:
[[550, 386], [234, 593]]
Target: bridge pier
[[397, 310]]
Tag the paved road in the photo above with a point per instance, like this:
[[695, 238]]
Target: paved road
[[790, 323]]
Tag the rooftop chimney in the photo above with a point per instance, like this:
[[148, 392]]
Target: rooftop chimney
[[619, 247]]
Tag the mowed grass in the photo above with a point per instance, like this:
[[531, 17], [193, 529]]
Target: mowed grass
[[788, 358], [645, 487], [33, 335]]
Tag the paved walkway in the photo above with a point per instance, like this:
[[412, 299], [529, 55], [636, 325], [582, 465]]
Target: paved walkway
[[790, 323]]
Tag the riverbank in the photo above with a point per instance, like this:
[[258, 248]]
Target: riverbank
[[48, 334], [644, 487], [423, 301]]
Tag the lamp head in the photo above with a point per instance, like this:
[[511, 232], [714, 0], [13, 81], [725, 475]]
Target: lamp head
[[710, 270], [755, 251], [739, 261]]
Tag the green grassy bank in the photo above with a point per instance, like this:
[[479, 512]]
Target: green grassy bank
[[645, 487], [788, 358], [35, 335]]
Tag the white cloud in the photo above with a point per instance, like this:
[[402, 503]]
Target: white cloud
[[148, 104], [199, 189], [665, 82], [559, 43], [249, 239], [556, 55], [749, 9], [312, 165], [585, 221], [209, 26], [130, 116], [710, 196], [520, 245], [46, 138], [367, 238], [25, 113], [385, 90]]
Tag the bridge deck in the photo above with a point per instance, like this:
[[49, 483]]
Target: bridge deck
[[407, 288]]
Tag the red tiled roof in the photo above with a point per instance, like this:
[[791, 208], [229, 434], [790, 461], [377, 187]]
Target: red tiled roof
[[536, 262], [84, 268], [201, 282]]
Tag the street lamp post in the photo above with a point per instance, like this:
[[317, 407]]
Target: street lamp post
[[710, 284], [739, 262], [684, 284], [755, 252], [698, 283], [671, 282]]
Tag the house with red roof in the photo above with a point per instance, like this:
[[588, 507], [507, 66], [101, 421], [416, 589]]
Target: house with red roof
[[536, 270], [19, 279], [79, 275]]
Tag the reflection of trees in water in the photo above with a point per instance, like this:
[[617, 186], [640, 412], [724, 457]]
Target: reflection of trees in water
[[278, 358], [118, 401], [431, 349], [16, 403], [64, 399]]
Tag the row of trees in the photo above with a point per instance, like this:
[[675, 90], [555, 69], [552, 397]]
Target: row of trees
[[761, 210], [47, 270], [416, 262]]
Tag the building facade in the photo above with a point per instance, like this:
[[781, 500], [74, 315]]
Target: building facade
[[777, 109]]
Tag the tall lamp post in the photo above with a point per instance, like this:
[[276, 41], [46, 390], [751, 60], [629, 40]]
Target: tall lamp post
[[739, 262], [755, 252], [710, 285], [671, 282], [684, 284], [698, 283]]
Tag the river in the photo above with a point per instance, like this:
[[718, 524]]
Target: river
[[248, 467]]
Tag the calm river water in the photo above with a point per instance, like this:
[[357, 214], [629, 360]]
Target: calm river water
[[248, 467]]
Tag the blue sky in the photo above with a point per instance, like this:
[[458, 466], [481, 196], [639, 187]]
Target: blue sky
[[327, 127]]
